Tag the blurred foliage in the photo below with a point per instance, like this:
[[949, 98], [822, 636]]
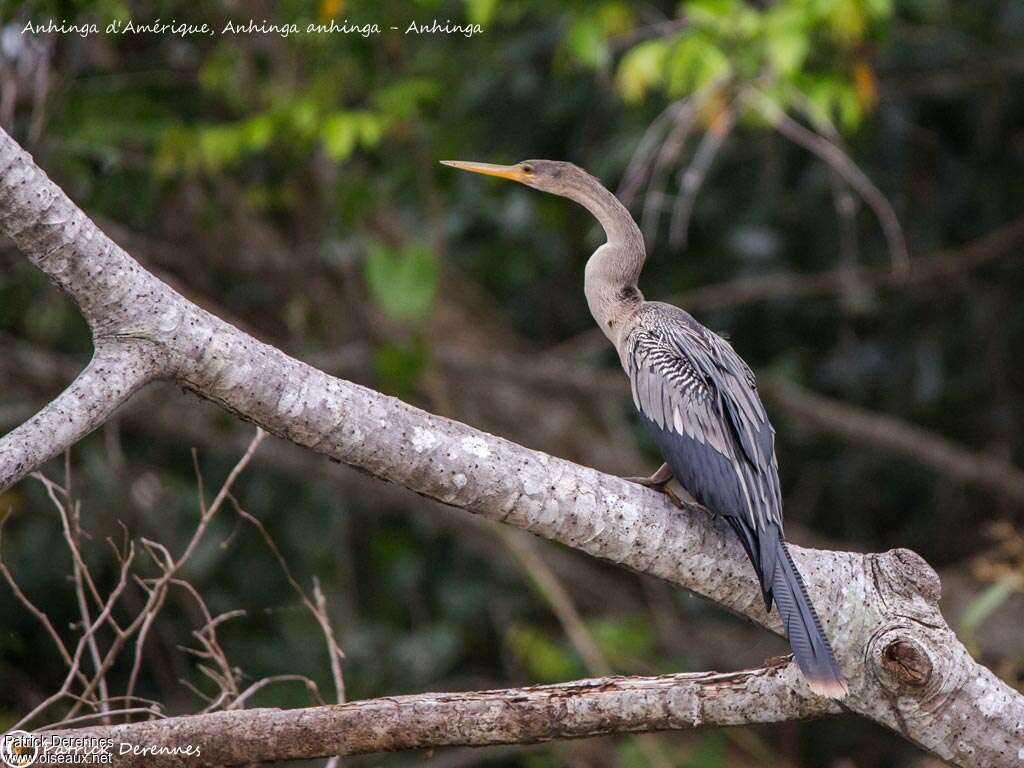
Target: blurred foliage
[[291, 184], [809, 54], [403, 283]]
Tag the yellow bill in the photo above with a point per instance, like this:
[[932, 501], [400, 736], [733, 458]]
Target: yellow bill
[[512, 172]]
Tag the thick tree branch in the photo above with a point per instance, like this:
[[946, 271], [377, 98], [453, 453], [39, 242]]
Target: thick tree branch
[[540, 713], [904, 665]]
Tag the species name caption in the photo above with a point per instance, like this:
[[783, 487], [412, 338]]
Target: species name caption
[[249, 27]]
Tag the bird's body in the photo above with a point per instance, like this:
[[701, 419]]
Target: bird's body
[[698, 399]]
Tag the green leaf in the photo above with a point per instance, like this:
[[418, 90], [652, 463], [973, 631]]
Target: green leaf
[[546, 660], [615, 18], [398, 366], [641, 69], [787, 51], [220, 146], [878, 9], [304, 117], [342, 132], [694, 63], [587, 43], [258, 132], [403, 283], [339, 135], [832, 97], [405, 99], [481, 11], [711, 12], [724, 19], [847, 21]]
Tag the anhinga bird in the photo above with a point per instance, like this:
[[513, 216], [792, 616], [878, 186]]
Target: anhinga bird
[[699, 401]]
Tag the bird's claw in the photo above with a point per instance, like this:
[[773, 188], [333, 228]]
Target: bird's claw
[[659, 482]]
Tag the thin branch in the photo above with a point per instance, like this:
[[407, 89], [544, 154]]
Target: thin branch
[[71, 523], [896, 436], [105, 715], [692, 179], [684, 119], [636, 172], [317, 606], [158, 591], [259, 685], [336, 654], [839, 161], [31, 607], [75, 669]]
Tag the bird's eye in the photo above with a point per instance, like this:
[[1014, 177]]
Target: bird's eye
[[527, 168]]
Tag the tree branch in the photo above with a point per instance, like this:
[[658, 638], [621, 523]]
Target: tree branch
[[540, 713], [115, 372], [899, 437], [904, 665]]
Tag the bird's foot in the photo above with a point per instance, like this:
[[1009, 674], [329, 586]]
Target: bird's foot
[[659, 482]]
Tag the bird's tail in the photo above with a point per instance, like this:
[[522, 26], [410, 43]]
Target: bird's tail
[[807, 639]]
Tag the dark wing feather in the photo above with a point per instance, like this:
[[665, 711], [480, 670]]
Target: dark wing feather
[[701, 404]]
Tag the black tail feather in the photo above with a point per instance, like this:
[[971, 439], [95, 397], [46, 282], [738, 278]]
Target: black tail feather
[[807, 639], [810, 647]]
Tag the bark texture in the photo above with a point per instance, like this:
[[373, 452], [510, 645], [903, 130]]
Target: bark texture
[[903, 663]]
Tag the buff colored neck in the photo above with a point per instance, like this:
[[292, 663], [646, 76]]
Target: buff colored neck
[[610, 281]]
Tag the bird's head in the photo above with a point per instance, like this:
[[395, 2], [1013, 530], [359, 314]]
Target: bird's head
[[554, 176]]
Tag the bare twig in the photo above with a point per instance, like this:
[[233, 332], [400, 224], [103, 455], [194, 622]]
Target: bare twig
[[317, 606], [105, 715], [31, 607], [71, 521], [226, 675], [158, 590], [639, 164], [684, 119], [259, 685], [838, 160], [75, 668], [693, 177]]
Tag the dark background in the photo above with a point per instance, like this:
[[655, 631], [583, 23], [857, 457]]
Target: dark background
[[291, 186]]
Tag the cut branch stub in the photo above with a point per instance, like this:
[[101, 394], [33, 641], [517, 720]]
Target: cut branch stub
[[902, 663]]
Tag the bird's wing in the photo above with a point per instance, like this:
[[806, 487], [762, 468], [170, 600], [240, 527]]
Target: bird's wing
[[700, 401]]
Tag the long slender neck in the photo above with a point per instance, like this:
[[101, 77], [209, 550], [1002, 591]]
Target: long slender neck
[[611, 276]]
